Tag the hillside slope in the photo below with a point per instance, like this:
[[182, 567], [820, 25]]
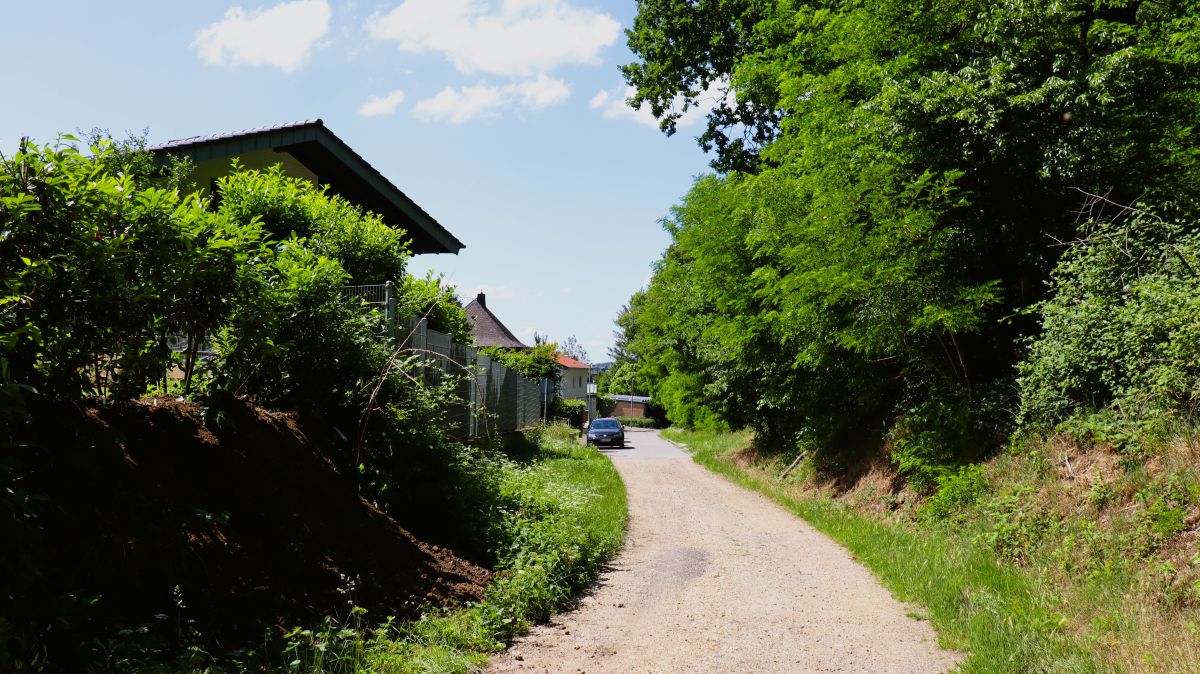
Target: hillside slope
[[135, 525]]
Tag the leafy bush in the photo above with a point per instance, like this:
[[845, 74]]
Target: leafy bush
[[368, 250], [935, 435], [99, 269], [101, 266], [957, 491], [570, 409], [605, 406], [638, 422], [558, 515], [1016, 524], [536, 364], [429, 298], [1119, 352]]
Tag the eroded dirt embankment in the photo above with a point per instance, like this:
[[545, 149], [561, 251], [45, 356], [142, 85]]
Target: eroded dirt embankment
[[714, 578], [136, 521]]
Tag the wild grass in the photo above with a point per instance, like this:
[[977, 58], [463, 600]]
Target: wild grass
[[560, 513], [1003, 618]]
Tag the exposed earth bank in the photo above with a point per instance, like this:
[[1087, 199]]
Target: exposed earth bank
[[140, 526], [714, 578]]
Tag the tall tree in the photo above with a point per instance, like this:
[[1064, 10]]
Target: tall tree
[[916, 165], [689, 52], [574, 349]]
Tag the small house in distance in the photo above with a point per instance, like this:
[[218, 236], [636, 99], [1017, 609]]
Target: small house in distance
[[486, 329], [630, 406], [573, 378], [311, 151]]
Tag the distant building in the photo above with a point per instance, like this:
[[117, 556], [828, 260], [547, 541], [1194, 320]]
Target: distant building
[[574, 377], [486, 329], [630, 406]]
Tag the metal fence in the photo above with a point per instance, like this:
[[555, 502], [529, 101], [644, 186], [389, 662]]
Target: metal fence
[[493, 399], [380, 296]]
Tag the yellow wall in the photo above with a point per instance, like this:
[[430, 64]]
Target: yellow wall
[[261, 159]]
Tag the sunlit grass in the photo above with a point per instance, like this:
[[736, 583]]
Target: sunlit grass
[[999, 616], [568, 518]]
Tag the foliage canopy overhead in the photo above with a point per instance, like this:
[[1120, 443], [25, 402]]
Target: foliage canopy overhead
[[893, 181]]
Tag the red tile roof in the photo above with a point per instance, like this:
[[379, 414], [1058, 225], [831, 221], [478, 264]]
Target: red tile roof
[[567, 361]]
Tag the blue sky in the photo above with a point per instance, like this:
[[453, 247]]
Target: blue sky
[[504, 119]]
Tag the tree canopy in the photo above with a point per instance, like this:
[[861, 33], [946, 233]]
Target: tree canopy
[[862, 261]]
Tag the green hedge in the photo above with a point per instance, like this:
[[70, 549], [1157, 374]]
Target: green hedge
[[638, 422], [571, 410]]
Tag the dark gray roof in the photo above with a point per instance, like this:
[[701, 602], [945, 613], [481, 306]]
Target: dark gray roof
[[486, 329], [335, 164], [630, 399]]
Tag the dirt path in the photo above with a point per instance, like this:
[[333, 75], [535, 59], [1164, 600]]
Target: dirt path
[[714, 578]]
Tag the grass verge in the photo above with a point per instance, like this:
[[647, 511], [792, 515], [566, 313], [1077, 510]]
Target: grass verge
[[560, 513], [1000, 616]]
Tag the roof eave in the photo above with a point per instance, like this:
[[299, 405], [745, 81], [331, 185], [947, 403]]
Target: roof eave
[[280, 138]]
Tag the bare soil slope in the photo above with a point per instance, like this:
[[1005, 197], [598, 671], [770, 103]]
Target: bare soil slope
[[136, 522]]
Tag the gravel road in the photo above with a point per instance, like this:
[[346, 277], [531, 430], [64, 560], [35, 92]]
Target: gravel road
[[715, 578]]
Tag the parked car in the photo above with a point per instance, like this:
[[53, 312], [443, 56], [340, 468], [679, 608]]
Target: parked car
[[606, 431]]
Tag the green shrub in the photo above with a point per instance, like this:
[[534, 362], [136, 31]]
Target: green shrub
[[638, 422], [571, 410], [99, 267], [605, 406], [1120, 334], [430, 298], [536, 364], [929, 438], [1016, 524], [368, 249], [957, 491]]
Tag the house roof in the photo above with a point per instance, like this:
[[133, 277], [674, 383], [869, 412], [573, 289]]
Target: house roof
[[335, 164], [486, 329], [630, 399], [567, 361]]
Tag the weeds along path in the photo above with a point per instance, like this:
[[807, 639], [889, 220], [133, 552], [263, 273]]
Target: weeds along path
[[714, 578]]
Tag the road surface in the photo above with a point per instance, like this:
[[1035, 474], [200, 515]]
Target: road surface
[[715, 578]]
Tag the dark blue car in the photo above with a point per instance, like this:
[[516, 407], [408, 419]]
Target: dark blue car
[[606, 431]]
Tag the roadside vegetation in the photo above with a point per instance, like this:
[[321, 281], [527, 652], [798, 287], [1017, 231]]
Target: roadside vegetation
[[559, 513], [945, 272], [255, 474], [1021, 566]]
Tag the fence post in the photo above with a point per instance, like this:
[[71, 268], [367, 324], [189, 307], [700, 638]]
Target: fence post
[[421, 342], [389, 306]]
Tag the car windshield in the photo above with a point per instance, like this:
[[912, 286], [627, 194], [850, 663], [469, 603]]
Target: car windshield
[[606, 424]]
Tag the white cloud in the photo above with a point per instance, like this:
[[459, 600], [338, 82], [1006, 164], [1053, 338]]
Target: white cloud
[[539, 93], [282, 36], [612, 105], [460, 105], [515, 38], [376, 106], [484, 100]]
